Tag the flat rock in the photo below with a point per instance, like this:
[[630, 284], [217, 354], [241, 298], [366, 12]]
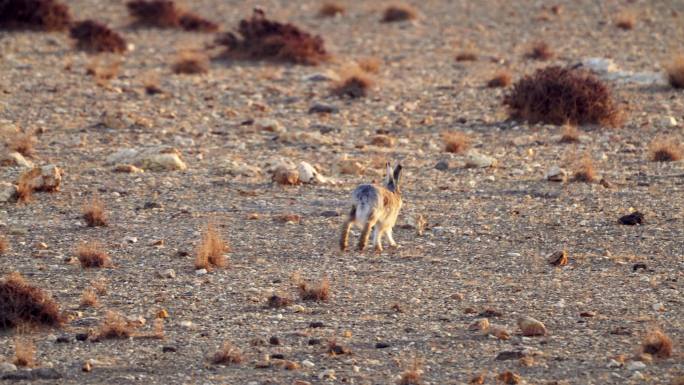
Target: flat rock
[[15, 159], [153, 159], [477, 160], [8, 192]]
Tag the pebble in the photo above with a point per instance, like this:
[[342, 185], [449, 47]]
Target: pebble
[[7, 192], [308, 364], [320, 108], [442, 165], [200, 271], [7, 367], [636, 365], [513, 255], [480, 324], [328, 374], [531, 327], [168, 273], [613, 364], [476, 160], [268, 124], [556, 174]]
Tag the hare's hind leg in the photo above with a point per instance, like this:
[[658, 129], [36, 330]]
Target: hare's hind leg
[[344, 238], [377, 237], [365, 233], [390, 238]]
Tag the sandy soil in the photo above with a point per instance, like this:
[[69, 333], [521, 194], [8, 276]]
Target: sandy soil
[[489, 229]]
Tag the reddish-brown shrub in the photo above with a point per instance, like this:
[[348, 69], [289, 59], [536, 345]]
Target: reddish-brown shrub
[[626, 19], [665, 150], [456, 142], [540, 51], [502, 78], [412, 375], [22, 303], [398, 12], [165, 14], [278, 301], [570, 134], [88, 298], [584, 170], [369, 64], [48, 15], [91, 254], [211, 250], [657, 343], [263, 39], [227, 354], [25, 186], [319, 292], [675, 72], [92, 36], [191, 63], [94, 213], [353, 83], [556, 95], [23, 143], [24, 352], [114, 326]]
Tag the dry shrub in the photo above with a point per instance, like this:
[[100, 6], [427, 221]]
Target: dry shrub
[[94, 213], [114, 326], [626, 19], [99, 285], [22, 303], [227, 354], [456, 142], [658, 344], [263, 39], [540, 51], [501, 78], [584, 171], [315, 292], [335, 349], [24, 352], [165, 14], [47, 15], [23, 143], [92, 36], [570, 134], [211, 250], [4, 245], [24, 185], [89, 298], [383, 141], [191, 62], [331, 10], [412, 375], [353, 83], [398, 12], [556, 95], [103, 69], [675, 72], [466, 56], [92, 255], [665, 150], [370, 65]]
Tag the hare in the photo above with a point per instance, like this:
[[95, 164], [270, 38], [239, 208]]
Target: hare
[[375, 207]]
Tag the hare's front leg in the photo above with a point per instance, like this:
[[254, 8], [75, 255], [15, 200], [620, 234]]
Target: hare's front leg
[[390, 238]]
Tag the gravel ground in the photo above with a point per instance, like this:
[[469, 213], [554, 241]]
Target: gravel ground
[[489, 230]]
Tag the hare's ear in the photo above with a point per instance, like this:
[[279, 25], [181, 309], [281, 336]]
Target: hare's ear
[[389, 176], [396, 175]]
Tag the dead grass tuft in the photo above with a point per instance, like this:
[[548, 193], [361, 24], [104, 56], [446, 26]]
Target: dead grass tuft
[[25, 186], [263, 39], [456, 142], [92, 255], [353, 83], [94, 213], [191, 63], [658, 344], [23, 143], [47, 15], [626, 19], [540, 51], [89, 298], [665, 150], [22, 303], [502, 78], [584, 170], [24, 352], [114, 326], [165, 14], [556, 95], [398, 12], [103, 69], [331, 10], [314, 292], [227, 354], [211, 250], [279, 301], [413, 375], [370, 65], [95, 37], [675, 72], [570, 134]]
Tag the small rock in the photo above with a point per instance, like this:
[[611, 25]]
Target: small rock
[[559, 258], [587, 314], [669, 121], [308, 174], [270, 125], [153, 159], [200, 271], [168, 273], [635, 218], [127, 168], [509, 378], [442, 165], [169, 349], [274, 340], [330, 214], [285, 176], [531, 327], [510, 355], [7, 367], [87, 366], [476, 160], [320, 108], [45, 178], [308, 364], [556, 174], [81, 336], [321, 77], [383, 141], [63, 339], [636, 365], [499, 332], [15, 159], [316, 325], [382, 345], [328, 374], [314, 341], [659, 307], [8, 192], [614, 364]]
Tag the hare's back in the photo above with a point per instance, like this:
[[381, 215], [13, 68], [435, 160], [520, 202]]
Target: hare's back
[[366, 194]]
